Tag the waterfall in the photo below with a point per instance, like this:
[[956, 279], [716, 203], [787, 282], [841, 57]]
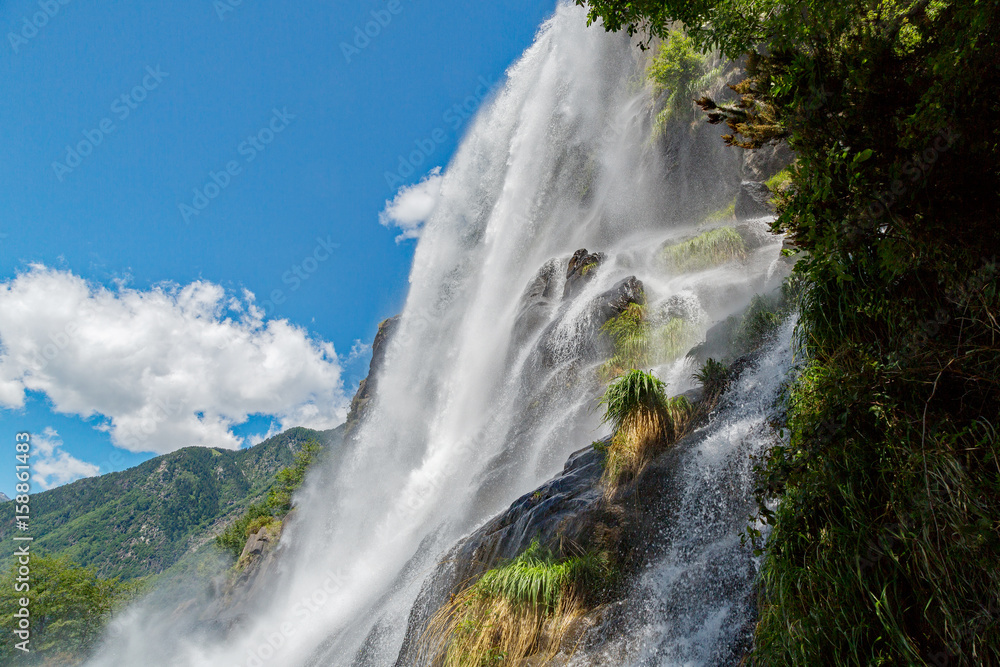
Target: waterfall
[[474, 407]]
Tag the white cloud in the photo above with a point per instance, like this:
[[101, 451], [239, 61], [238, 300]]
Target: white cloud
[[412, 205], [358, 350], [51, 466], [168, 367]]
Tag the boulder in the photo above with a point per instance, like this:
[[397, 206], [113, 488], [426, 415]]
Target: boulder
[[753, 201], [579, 271], [614, 301], [763, 163]]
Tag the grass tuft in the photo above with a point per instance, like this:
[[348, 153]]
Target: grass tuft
[[644, 421], [711, 248], [519, 610]]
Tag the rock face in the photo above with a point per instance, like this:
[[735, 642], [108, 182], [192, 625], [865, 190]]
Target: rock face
[[536, 303], [753, 201], [367, 387], [569, 515], [766, 161], [578, 272]]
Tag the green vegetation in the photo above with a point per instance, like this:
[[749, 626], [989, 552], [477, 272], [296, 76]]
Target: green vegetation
[[727, 214], [141, 521], [884, 547], [779, 181], [681, 71], [519, 610], [643, 421], [713, 376], [639, 343], [711, 248], [274, 507], [70, 606]]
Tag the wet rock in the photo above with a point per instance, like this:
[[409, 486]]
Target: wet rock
[[756, 234], [683, 305], [753, 201], [366, 389], [763, 163], [614, 302], [579, 271], [536, 303]]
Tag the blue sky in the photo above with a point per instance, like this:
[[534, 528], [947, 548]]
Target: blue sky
[[149, 148]]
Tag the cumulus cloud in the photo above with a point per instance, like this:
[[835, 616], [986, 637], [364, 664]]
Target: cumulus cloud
[[167, 367], [51, 466], [412, 205]]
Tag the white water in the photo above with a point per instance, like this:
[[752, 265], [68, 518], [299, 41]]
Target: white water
[[465, 420]]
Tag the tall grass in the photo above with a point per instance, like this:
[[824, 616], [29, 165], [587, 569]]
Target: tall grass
[[644, 421], [519, 610], [711, 248]]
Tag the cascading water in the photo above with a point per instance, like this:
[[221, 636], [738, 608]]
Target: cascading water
[[475, 408]]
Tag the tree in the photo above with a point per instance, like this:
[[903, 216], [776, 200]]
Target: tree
[[69, 606]]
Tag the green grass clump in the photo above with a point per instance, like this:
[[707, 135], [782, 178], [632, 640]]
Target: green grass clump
[[713, 376], [515, 611], [779, 181], [712, 248], [537, 579], [643, 421], [638, 343], [727, 214]]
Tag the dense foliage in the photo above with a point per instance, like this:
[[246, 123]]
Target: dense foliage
[[885, 546], [69, 607], [275, 506], [141, 521]]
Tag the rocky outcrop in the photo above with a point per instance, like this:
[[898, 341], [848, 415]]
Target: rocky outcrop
[[366, 389], [536, 303], [753, 201], [764, 162], [579, 271], [569, 515]]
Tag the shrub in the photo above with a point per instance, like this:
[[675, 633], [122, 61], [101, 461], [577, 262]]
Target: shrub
[[637, 342], [713, 376]]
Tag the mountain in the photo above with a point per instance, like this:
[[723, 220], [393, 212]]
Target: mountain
[[143, 520], [3, 497]]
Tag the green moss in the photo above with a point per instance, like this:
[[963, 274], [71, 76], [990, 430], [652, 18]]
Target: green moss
[[711, 248]]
